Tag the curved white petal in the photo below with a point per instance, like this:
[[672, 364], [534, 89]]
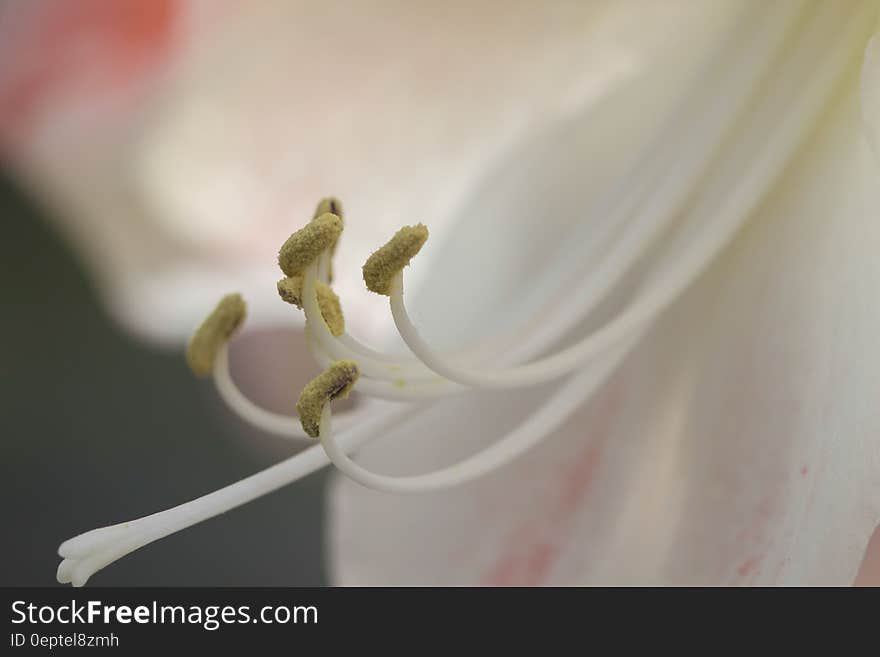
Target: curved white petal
[[740, 442], [264, 107]]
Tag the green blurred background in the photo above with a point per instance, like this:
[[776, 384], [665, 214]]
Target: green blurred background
[[98, 429]]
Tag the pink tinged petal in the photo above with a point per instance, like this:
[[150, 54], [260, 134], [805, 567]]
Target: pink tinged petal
[[508, 527], [264, 114], [64, 58], [739, 443], [783, 424]]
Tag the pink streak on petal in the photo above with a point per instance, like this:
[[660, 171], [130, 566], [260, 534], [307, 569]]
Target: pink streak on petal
[[750, 565], [538, 543]]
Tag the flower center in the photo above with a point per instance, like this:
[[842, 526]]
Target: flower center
[[681, 205]]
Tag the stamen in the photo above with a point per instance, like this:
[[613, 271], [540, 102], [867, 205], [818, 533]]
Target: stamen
[[290, 290], [333, 383], [720, 209], [214, 332], [286, 426], [329, 205], [390, 259], [91, 551], [305, 245], [420, 384], [333, 206], [767, 138], [569, 397]]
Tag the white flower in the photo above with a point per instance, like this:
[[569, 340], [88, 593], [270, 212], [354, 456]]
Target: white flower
[[177, 173], [738, 441], [696, 253]]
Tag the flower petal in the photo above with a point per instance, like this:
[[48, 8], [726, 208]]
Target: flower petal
[[739, 443], [394, 107]]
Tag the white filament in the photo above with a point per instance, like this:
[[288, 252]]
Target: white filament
[[571, 396], [778, 125], [265, 420], [620, 334], [89, 552], [756, 152]]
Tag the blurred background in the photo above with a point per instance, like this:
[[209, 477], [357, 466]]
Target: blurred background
[[153, 156], [98, 428]]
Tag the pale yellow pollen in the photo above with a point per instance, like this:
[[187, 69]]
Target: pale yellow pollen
[[333, 383], [303, 247], [290, 289], [214, 332], [390, 259]]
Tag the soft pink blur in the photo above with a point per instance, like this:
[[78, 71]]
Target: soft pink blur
[[869, 573]]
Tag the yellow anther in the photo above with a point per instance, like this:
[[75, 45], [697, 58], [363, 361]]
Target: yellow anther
[[214, 332], [305, 245], [290, 289], [333, 383], [385, 263]]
